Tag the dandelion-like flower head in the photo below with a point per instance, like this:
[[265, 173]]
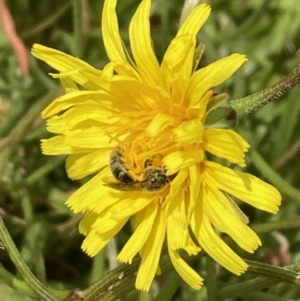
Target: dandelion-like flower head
[[141, 116]]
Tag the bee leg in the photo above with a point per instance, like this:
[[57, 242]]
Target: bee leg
[[148, 163]]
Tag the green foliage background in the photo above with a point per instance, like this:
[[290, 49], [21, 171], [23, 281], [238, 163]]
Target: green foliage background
[[34, 187]]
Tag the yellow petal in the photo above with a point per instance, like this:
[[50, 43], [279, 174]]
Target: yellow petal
[[65, 145], [134, 202], [199, 110], [64, 62], [176, 186], [176, 222], [95, 242], [195, 20], [56, 146], [141, 95], [190, 246], [140, 235], [87, 221], [219, 211], [218, 250], [159, 124], [69, 85], [151, 253], [78, 98], [110, 32], [194, 188], [80, 117], [213, 75], [57, 125], [226, 144], [185, 271], [178, 60], [197, 214], [79, 166], [84, 112], [99, 79], [141, 44], [244, 186], [107, 223], [88, 137], [189, 132], [181, 159], [126, 70], [93, 195]]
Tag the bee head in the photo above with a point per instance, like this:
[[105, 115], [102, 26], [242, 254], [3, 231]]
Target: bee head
[[155, 179]]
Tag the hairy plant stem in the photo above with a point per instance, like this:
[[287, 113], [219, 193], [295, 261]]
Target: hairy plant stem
[[251, 103], [14, 255]]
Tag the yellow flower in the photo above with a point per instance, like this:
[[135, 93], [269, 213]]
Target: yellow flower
[[144, 113]]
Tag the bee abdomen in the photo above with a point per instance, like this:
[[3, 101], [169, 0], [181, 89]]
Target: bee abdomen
[[117, 167]]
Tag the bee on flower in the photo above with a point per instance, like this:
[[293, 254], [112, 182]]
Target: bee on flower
[[154, 177], [153, 111]]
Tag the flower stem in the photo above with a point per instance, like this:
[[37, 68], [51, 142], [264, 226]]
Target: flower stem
[[251, 103], [102, 285], [122, 279], [16, 258], [283, 274], [247, 287], [257, 284], [119, 290]]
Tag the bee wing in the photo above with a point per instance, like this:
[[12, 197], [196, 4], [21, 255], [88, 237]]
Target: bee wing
[[135, 186]]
